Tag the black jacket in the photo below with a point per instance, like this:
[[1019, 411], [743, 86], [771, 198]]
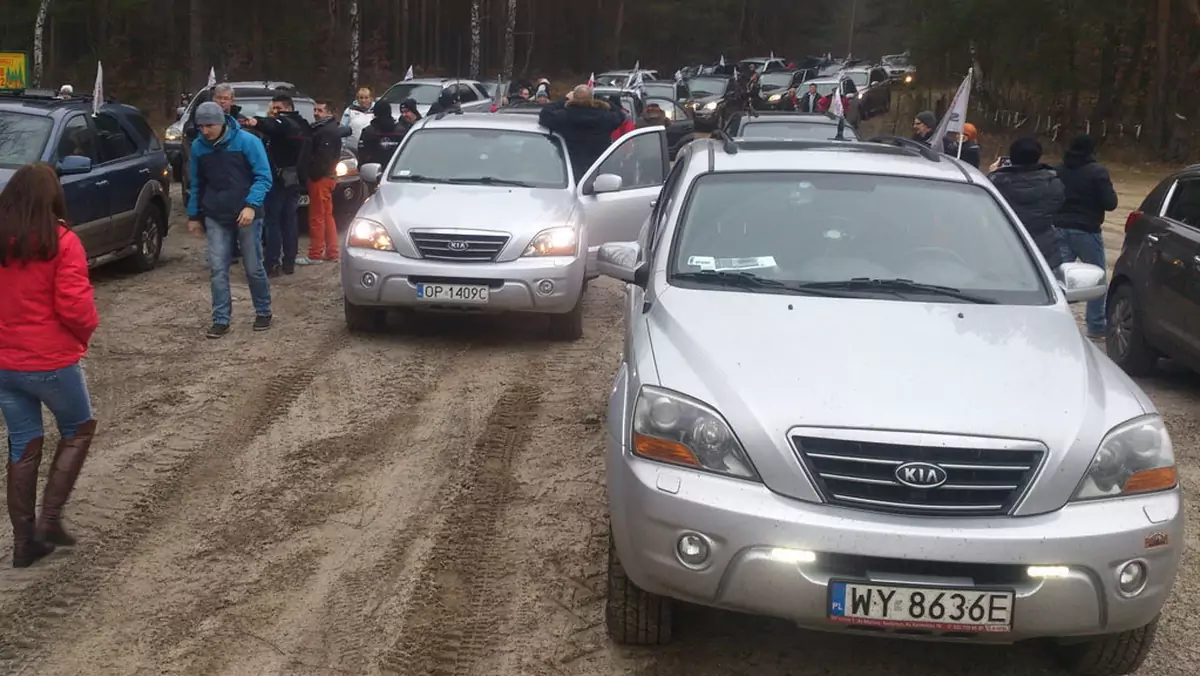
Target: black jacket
[[972, 154], [1089, 193], [807, 102], [1035, 192], [326, 149], [288, 143], [444, 103], [587, 129], [379, 140]]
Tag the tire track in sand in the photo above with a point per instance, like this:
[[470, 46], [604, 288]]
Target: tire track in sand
[[450, 622], [64, 585]]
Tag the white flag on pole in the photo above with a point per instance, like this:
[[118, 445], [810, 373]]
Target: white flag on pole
[[772, 54], [679, 76], [212, 77], [592, 80], [956, 116], [498, 97], [408, 74], [835, 105], [637, 83], [722, 63], [98, 90]]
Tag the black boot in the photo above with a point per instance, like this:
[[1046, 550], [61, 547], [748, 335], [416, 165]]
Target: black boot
[[22, 500], [68, 460]]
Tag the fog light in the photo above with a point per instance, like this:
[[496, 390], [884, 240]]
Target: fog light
[[1131, 578], [545, 287], [692, 550], [369, 279]]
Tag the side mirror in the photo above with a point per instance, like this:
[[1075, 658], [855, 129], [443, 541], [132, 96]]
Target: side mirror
[[606, 183], [1081, 282], [619, 260], [73, 165], [371, 172]]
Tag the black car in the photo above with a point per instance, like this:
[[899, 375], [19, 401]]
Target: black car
[[774, 87], [114, 172], [667, 89], [1154, 296], [787, 126], [713, 97], [254, 98]]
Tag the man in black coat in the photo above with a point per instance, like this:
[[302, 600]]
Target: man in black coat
[[585, 123], [1034, 191], [1089, 194], [287, 136], [445, 102], [381, 137]]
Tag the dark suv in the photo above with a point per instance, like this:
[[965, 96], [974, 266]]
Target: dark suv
[[113, 168], [1154, 296]]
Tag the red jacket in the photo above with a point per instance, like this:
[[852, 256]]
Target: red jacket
[[826, 101], [47, 312], [626, 127]]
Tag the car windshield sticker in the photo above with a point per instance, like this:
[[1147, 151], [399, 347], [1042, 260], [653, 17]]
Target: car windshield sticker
[[404, 172], [724, 264]]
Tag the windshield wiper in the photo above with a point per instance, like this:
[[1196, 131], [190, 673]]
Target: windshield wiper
[[490, 180], [749, 280], [418, 178], [902, 285]]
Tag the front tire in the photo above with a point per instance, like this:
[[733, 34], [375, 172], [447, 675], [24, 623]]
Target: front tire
[[363, 319], [634, 616], [569, 327], [1111, 655], [148, 239], [1126, 340]]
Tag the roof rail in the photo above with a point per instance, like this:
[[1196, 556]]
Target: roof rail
[[899, 142]]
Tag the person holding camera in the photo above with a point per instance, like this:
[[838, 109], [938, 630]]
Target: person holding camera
[[287, 134], [1034, 191]]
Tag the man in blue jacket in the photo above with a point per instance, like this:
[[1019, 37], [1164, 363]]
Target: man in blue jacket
[[230, 179]]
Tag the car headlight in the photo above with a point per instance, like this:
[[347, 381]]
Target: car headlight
[[1134, 457], [366, 234], [672, 428], [860, 95], [908, 79], [173, 134], [346, 167], [710, 106], [560, 241], [774, 98]]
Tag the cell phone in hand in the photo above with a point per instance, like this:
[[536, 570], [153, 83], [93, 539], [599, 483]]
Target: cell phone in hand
[[1006, 161]]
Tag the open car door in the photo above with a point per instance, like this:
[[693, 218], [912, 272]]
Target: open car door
[[618, 191]]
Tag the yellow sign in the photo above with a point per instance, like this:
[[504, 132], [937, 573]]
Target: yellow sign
[[13, 73]]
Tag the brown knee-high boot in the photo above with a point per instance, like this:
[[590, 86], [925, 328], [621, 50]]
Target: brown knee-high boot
[[22, 498], [68, 460]]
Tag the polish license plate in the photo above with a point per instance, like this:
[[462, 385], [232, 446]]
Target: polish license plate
[[453, 293], [931, 608], [303, 201]]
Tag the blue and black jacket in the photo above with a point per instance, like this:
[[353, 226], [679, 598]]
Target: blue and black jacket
[[228, 175]]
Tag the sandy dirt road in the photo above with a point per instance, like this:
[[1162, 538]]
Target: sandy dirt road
[[306, 502]]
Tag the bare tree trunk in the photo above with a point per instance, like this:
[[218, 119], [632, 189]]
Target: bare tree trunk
[[355, 45], [405, 62], [39, 29], [196, 42], [510, 44], [616, 57], [1158, 122], [476, 37]]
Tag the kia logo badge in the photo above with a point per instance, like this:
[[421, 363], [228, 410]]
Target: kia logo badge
[[458, 245], [920, 475]]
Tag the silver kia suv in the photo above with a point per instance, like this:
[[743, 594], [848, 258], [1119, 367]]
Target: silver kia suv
[[853, 396]]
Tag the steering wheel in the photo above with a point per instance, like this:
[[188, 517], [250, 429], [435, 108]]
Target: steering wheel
[[937, 251]]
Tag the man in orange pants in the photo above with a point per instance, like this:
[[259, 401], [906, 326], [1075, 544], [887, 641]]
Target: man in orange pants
[[323, 159]]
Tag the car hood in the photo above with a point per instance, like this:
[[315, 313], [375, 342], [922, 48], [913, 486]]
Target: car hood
[[771, 362], [701, 100], [523, 212]]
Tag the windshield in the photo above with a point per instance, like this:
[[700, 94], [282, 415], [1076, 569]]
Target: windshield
[[860, 79], [258, 107], [22, 138], [707, 86], [424, 94], [775, 80], [496, 156], [793, 130], [811, 228], [611, 80], [897, 61], [662, 89]]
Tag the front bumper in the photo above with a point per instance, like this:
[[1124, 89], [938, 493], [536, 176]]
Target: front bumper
[[513, 285], [754, 533]]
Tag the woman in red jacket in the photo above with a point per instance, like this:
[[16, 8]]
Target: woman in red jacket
[[47, 316]]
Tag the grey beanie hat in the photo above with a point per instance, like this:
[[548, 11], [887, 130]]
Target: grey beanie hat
[[927, 118], [209, 113]]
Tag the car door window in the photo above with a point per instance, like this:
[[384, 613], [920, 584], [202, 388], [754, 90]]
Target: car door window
[[115, 142], [143, 129], [466, 94], [639, 162], [658, 218], [1185, 202], [77, 139]]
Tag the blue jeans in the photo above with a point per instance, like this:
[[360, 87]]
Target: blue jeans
[[1086, 247], [22, 394], [283, 235], [221, 240]]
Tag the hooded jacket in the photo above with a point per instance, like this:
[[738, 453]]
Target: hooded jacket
[[381, 137], [228, 175], [326, 149], [586, 126], [1089, 192], [1036, 194]]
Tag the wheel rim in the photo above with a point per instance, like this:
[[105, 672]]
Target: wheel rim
[[1122, 326], [151, 237]]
